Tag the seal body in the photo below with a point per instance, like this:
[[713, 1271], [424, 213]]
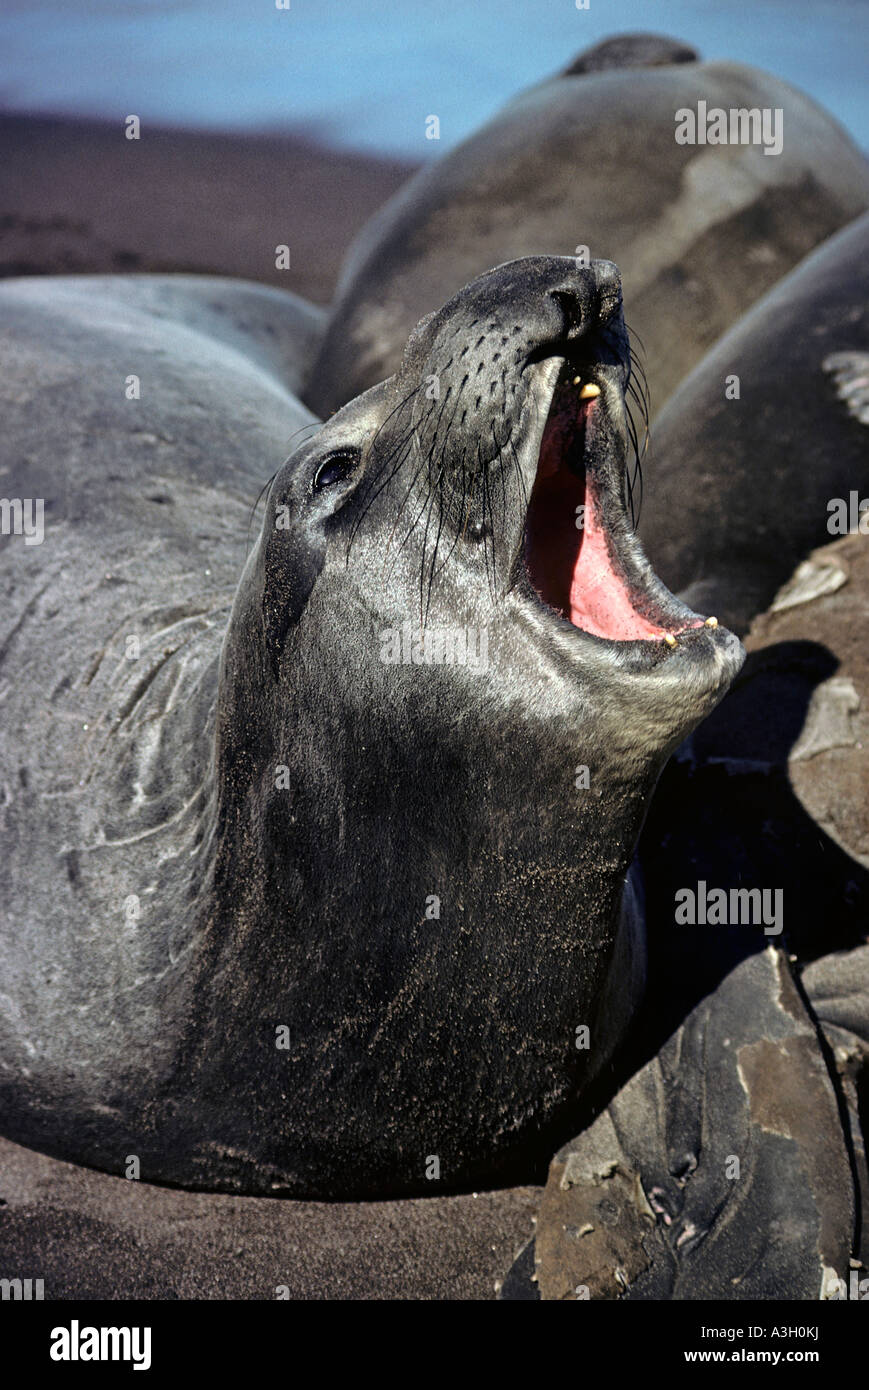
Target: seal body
[[589, 159], [141, 416], [330, 912], [744, 484]]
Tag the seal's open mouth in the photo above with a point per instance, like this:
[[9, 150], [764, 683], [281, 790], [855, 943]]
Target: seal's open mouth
[[579, 552]]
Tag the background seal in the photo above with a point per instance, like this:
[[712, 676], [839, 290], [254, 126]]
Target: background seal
[[589, 158]]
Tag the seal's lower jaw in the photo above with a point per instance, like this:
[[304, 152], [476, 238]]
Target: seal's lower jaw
[[581, 555]]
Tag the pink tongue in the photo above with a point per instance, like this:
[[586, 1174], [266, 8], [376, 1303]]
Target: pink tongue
[[571, 567], [599, 601]]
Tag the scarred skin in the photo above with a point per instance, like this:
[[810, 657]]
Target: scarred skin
[[760, 470], [387, 867]]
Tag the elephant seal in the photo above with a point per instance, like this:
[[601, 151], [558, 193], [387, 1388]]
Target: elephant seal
[[590, 159], [743, 486], [332, 896], [632, 51], [275, 330]]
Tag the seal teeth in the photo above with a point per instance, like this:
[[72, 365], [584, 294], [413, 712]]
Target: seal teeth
[[711, 622], [589, 390], [670, 639]]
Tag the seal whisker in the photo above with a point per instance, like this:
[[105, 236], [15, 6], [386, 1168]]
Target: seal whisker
[[460, 534], [637, 478], [632, 333], [395, 409], [646, 436], [314, 425], [370, 495], [429, 500], [465, 504], [426, 463], [410, 441], [434, 492], [266, 485], [641, 393], [439, 488], [525, 495], [637, 390], [638, 374], [490, 533], [502, 474], [433, 571], [399, 452]]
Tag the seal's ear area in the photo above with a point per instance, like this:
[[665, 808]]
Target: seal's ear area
[[293, 557], [631, 51]]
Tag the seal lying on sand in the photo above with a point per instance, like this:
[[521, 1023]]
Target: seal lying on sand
[[323, 900], [590, 158]]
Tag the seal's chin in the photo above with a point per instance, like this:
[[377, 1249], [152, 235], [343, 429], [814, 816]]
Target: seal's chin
[[579, 553]]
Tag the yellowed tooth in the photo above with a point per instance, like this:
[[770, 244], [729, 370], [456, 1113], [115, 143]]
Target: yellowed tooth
[[589, 391], [711, 622], [670, 639]]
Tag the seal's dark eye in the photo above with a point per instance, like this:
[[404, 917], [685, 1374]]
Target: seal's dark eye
[[335, 469]]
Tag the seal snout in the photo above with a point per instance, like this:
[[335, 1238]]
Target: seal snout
[[580, 552], [524, 411], [591, 298]]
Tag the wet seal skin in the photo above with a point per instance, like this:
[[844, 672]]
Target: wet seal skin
[[324, 918]]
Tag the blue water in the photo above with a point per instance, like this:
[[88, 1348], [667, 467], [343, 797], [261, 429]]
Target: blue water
[[366, 73]]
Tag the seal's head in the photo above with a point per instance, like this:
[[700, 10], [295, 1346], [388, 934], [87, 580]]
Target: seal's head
[[450, 682]]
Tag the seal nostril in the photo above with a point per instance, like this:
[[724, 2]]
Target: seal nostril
[[571, 309]]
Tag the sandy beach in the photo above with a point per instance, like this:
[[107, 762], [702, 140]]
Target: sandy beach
[[78, 197]]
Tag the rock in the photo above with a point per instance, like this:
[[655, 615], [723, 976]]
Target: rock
[[837, 987], [719, 1171], [828, 761], [809, 581]]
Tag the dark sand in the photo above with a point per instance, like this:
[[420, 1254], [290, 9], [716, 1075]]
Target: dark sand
[[77, 196], [88, 1235]]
